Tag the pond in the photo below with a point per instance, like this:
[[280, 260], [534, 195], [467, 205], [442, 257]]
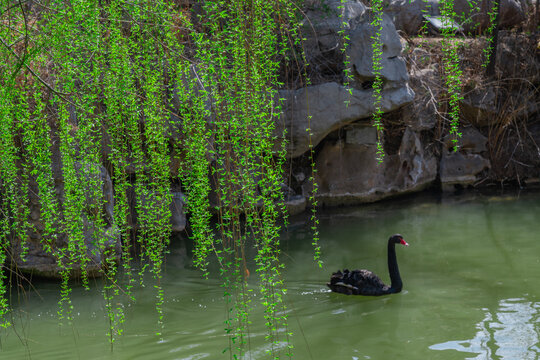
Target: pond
[[471, 291]]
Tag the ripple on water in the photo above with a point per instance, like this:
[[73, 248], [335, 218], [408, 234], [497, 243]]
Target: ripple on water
[[190, 348], [509, 333]]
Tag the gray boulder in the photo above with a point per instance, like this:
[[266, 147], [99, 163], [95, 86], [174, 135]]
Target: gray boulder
[[472, 15], [461, 169], [470, 142], [464, 167], [479, 106], [348, 171], [178, 218], [322, 109], [360, 53], [101, 239], [327, 106], [295, 204], [408, 16], [178, 214]]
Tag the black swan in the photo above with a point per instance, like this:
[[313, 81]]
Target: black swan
[[365, 282]]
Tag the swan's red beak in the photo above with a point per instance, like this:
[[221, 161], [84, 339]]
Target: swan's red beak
[[403, 242]]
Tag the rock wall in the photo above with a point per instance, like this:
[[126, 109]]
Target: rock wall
[[40, 262], [472, 15], [347, 168], [419, 155], [500, 129]]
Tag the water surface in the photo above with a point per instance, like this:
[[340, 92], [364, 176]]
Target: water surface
[[471, 291]]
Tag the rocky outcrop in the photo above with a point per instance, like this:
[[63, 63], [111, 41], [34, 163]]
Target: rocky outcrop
[[471, 15], [348, 171], [178, 214], [463, 167], [343, 139], [100, 239], [323, 109], [328, 106], [335, 121], [479, 106]]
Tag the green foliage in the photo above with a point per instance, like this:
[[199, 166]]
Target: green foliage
[[452, 70], [99, 85], [345, 38], [9, 195], [37, 140], [490, 31], [376, 46], [425, 12], [313, 200], [239, 55]]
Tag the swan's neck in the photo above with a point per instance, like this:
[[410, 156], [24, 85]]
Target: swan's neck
[[393, 268]]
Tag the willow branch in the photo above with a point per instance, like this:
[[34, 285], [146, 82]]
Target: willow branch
[[23, 62]]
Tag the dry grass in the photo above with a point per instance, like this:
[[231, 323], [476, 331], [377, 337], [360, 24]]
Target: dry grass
[[513, 148]]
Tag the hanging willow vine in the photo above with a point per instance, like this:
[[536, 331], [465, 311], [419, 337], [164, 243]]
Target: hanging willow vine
[[451, 69], [99, 85], [95, 88], [377, 51], [490, 32]]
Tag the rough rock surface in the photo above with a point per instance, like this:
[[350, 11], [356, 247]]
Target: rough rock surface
[[513, 12], [322, 108], [360, 53], [495, 103], [328, 105], [295, 204], [517, 56], [348, 172], [462, 168], [470, 142], [178, 215], [479, 106], [39, 262], [407, 15]]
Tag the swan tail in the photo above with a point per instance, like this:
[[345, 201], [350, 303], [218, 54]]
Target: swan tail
[[340, 282]]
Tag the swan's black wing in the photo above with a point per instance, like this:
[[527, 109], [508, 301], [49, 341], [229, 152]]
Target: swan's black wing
[[357, 282]]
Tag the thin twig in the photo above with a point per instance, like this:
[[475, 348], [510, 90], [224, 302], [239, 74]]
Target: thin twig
[[23, 62]]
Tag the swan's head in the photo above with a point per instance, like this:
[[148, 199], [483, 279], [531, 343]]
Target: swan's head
[[398, 239]]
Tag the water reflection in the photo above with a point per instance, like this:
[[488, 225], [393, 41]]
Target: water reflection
[[509, 333]]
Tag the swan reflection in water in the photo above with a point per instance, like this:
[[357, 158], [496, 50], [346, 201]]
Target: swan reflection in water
[[510, 333]]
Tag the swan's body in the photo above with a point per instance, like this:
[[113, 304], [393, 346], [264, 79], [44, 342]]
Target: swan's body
[[365, 282]]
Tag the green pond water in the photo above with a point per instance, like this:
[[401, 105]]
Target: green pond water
[[471, 291]]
